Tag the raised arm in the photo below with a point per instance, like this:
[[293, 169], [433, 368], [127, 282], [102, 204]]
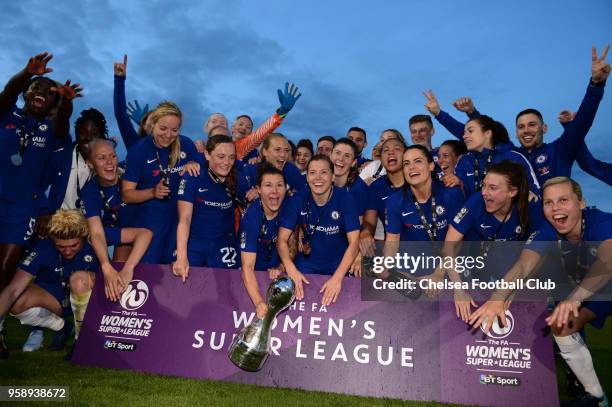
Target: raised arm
[[287, 100], [594, 167], [589, 164], [128, 134], [68, 92], [454, 126], [576, 130], [465, 104], [37, 65]]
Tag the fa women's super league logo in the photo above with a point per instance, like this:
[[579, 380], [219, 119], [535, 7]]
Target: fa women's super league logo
[[135, 295], [499, 332]]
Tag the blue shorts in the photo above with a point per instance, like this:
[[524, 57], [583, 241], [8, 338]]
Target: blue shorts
[[219, 253], [56, 290], [17, 221], [601, 309], [163, 245], [113, 236], [306, 267]]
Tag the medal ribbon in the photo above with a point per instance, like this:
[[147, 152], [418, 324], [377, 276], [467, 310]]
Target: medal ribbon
[[477, 179]]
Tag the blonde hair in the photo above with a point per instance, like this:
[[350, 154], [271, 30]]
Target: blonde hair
[[209, 131], [68, 224], [268, 140], [576, 188], [167, 108], [93, 143]]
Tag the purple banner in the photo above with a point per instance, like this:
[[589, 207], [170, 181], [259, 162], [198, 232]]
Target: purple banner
[[411, 351]]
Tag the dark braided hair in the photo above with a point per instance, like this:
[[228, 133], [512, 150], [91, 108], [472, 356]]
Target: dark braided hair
[[94, 116]]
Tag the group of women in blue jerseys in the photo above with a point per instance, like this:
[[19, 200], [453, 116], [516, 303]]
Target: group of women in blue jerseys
[[251, 200]]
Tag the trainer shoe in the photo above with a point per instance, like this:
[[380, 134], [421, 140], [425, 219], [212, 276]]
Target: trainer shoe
[[4, 353], [34, 342], [61, 337], [587, 400]]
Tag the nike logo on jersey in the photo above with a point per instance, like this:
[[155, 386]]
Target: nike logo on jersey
[[482, 225], [407, 213], [303, 213], [202, 189], [151, 161], [384, 198], [470, 174]]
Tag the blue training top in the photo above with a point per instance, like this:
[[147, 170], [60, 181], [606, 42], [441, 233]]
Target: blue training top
[[465, 168], [553, 159]]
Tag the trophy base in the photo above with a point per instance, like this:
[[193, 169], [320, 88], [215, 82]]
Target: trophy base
[[247, 358]]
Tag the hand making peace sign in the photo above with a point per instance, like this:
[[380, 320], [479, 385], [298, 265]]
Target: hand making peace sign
[[600, 69], [432, 103]]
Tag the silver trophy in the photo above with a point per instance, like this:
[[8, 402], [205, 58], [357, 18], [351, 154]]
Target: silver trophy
[[250, 348]]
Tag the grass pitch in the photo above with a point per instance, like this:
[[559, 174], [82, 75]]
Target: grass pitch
[[97, 386]]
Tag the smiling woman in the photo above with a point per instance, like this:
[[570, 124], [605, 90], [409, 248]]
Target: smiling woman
[[259, 233], [330, 238], [28, 137], [110, 220], [152, 177], [423, 210], [501, 212], [488, 143], [275, 151], [206, 206]]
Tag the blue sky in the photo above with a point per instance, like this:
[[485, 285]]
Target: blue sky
[[357, 63]]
